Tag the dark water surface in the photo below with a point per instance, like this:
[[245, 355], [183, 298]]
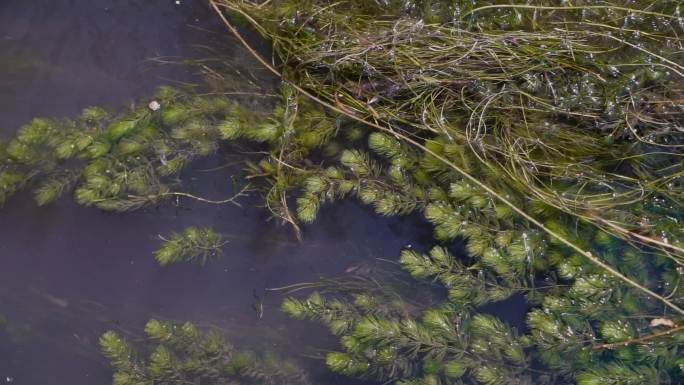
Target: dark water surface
[[69, 273]]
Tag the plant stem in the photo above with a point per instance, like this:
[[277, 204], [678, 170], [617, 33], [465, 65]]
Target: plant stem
[[640, 340], [567, 8], [232, 199]]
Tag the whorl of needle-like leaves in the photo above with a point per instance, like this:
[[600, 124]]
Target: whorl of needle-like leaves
[[115, 162], [176, 354], [191, 245]]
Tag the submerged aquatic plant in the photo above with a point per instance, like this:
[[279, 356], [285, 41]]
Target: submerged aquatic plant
[[538, 134], [466, 83], [193, 244], [116, 163], [455, 344], [182, 354], [548, 138]]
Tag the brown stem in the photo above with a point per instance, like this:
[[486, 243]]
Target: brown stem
[[640, 237], [232, 199], [640, 340]]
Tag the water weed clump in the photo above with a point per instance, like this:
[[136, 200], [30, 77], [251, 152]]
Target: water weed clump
[[193, 244], [533, 132], [182, 354], [547, 137], [116, 162], [560, 104]]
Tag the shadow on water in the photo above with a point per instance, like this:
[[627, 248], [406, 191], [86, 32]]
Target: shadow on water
[[69, 273]]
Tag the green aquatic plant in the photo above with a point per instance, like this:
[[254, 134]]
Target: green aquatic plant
[[467, 84], [116, 162], [533, 132], [547, 138], [456, 344], [193, 244], [182, 354]]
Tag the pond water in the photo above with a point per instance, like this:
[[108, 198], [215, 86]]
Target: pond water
[[68, 273]]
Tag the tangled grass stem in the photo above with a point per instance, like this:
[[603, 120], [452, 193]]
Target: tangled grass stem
[[343, 111], [567, 8], [644, 239], [641, 340], [233, 199]]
